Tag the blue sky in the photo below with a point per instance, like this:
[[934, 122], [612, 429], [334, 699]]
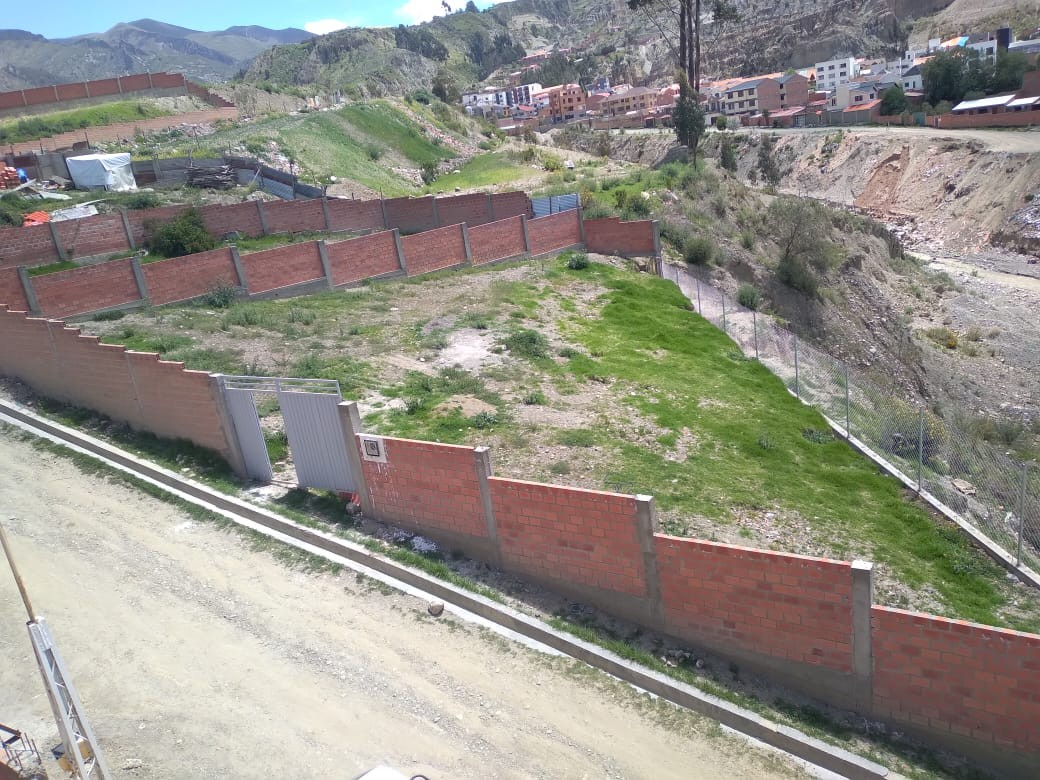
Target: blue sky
[[64, 18]]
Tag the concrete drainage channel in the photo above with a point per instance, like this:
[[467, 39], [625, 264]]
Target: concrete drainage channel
[[470, 606]]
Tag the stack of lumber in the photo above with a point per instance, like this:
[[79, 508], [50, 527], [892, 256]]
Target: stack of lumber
[[222, 178]]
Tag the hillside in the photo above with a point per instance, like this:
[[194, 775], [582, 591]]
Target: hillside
[[145, 45], [609, 38]]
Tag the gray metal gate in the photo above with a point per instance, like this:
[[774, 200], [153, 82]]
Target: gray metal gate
[[554, 204], [312, 427]]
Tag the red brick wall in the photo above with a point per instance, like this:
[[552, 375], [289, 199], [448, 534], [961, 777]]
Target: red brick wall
[[554, 232], [496, 240], [361, 258], [74, 91], [11, 292], [168, 80], [182, 278], [38, 96], [1008, 119], [135, 83], [241, 217], [558, 533], [104, 87], [347, 214], [613, 237], [788, 606], [99, 235], [159, 216], [427, 487], [471, 209], [86, 289], [410, 214], [433, 250], [136, 388], [12, 99], [291, 216], [283, 266], [950, 676], [510, 204], [26, 246]]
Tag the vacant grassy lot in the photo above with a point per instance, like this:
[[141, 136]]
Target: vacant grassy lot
[[603, 378]]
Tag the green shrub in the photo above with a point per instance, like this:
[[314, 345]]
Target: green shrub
[[484, 420], [141, 200], [185, 235], [551, 162], [534, 398], [220, 296], [747, 239], [576, 437], [526, 343], [109, 316], [699, 250], [747, 296], [576, 261], [373, 151]]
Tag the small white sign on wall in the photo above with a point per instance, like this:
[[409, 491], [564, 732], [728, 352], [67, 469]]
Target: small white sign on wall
[[372, 449]]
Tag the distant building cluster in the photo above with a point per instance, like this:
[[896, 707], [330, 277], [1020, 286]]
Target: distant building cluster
[[845, 90]]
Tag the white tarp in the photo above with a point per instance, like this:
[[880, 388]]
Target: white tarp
[[102, 171]]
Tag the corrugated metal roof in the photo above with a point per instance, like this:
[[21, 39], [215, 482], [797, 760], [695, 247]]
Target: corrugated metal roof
[[1026, 101], [987, 102]]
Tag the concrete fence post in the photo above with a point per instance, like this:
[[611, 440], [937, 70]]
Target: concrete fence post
[[797, 378], [482, 465], [323, 255], [527, 235], [56, 239], [399, 246], [656, 224], [1022, 512], [646, 524], [260, 214], [862, 654], [127, 229], [382, 208], [350, 422], [848, 405], [325, 214], [435, 210], [754, 327], [920, 448], [139, 280], [240, 270], [581, 226], [465, 243], [27, 287], [489, 203]]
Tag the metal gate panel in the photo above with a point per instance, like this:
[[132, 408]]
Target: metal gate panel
[[316, 441], [242, 408]]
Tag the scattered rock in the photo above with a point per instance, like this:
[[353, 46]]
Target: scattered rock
[[436, 608]]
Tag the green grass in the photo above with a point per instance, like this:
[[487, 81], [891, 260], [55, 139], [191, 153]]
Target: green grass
[[50, 268], [44, 125], [383, 123], [484, 170], [734, 406]]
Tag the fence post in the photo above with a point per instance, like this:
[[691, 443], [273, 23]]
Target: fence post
[[1022, 513], [754, 327], [724, 313], [699, 309], [848, 410], [797, 388], [920, 449]]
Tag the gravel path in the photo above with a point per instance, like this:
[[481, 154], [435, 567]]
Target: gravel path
[[197, 656]]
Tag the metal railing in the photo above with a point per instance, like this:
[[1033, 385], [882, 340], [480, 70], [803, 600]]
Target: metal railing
[[981, 483]]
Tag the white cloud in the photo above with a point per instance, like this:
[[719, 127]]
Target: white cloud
[[325, 26], [415, 11]]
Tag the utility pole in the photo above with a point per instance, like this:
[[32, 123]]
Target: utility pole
[[82, 752]]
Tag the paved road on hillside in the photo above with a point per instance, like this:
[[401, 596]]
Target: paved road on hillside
[[197, 656]]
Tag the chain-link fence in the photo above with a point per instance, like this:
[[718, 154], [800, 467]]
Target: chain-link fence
[[985, 485]]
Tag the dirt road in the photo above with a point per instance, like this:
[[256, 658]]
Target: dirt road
[[198, 656]]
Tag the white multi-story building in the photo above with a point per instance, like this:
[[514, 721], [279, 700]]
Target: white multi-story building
[[521, 95], [831, 73]]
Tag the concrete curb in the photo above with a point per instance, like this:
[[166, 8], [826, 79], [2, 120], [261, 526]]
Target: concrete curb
[[784, 738]]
